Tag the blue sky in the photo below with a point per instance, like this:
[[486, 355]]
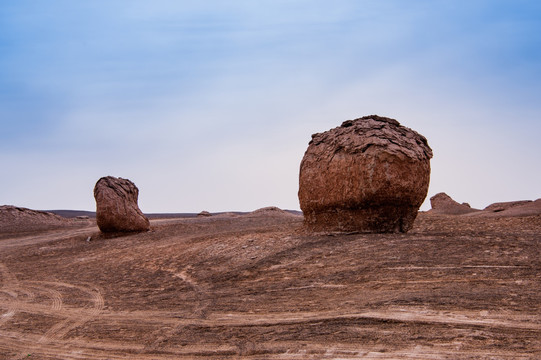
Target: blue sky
[[210, 105]]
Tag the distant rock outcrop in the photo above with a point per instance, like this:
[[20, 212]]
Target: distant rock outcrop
[[18, 219], [370, 174], [502, 206], [271, 211], [514, 208], [204, 214], [116, 206], [442, 203]]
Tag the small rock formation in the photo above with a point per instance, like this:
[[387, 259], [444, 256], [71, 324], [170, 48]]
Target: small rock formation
[[204, 213], [370, 175], [116, 206], [442, 203], [271, 211]]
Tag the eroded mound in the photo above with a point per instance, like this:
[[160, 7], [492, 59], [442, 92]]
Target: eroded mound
[[15, 219], [271, 211]]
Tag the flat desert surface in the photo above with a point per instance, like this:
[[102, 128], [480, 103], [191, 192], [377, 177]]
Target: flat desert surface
[[258, 286]]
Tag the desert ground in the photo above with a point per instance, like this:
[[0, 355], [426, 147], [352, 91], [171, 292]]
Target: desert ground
[[259, 286]]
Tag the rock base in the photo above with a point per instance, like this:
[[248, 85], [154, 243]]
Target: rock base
[[380, 219]]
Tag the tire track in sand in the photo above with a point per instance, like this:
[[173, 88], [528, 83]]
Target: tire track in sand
[[10, 285], [74, 320], [52, 294], [76, 349], [72, 317], [200, 311]]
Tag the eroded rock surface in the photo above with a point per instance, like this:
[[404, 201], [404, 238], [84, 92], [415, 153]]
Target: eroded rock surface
[[116, 206], [502, 206], [15, 219], [370, 174], [514, 208], [442, 203]]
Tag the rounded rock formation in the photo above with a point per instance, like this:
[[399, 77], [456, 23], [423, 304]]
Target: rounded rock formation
[[116, 206], [369, 175], [442, 203]]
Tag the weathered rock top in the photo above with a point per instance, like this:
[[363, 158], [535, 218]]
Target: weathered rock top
[[444, 204], [123, 188], [373, 131]]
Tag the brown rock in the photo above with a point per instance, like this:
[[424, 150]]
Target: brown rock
[[528, 208], [19, 219], [502, 206], [116, 206], [513, 209], [370, 174], [442, 203], [204, 213]]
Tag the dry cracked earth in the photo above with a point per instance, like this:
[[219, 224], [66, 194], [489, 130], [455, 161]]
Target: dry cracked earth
[[260, 287]]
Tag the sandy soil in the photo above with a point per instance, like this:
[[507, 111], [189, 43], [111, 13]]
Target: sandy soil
[[259, 287]]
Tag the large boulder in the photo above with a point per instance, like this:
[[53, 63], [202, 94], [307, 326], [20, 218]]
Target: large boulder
[[442, 203], [370, 175], [116, 206]]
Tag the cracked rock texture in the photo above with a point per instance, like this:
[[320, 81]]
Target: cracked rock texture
[[370, 175], [116, 206]]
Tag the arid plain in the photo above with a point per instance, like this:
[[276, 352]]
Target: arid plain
[[258, 286]]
